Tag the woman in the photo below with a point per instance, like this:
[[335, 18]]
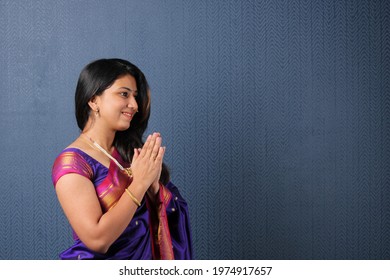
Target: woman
[[114, 189]]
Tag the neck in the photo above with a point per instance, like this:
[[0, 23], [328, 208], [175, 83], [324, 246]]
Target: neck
[[104, 139]]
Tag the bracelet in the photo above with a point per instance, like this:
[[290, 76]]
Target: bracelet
[[133, 198]]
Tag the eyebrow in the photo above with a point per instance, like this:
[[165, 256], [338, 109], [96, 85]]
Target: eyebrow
[[129, 89]]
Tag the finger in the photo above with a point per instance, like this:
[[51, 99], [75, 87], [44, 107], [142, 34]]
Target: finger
[[156, 147], [146, 145], [160, 155], [136, 155], [151, 144]]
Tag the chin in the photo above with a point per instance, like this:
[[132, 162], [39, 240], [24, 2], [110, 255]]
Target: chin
[[123, 127]]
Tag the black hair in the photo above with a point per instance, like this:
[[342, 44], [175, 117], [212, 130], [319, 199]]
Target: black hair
[[94, 79]]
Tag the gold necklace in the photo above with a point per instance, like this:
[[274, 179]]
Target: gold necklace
[[127, 170]]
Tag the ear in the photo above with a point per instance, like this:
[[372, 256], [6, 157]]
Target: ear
[[93, 104]]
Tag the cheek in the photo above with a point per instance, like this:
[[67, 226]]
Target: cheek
[[115, 105]]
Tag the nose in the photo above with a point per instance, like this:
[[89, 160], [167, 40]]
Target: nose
[[133, 103]]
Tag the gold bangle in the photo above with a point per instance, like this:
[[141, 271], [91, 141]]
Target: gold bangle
[[133, 198]]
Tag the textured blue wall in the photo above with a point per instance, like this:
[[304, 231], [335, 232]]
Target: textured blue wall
[[275, 115]]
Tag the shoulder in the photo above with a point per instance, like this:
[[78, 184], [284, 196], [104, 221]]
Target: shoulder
[[71, 160]]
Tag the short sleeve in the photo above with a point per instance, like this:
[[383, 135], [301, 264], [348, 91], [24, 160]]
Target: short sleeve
[[70, 162]]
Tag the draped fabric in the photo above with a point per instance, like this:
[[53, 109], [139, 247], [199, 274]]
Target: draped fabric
[[158, 230]]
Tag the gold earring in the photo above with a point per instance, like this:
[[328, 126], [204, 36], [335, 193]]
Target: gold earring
[[97, 112]]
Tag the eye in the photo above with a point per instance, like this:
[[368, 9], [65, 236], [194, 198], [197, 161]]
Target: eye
[[124, 94]]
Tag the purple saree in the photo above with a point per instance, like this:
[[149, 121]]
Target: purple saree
[[155, 232]]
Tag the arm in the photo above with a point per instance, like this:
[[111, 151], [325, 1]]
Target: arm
[[98, 231], [77, 196]]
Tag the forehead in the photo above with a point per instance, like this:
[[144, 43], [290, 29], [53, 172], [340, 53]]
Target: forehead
[[126, 81]]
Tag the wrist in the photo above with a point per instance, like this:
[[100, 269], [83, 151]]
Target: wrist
[[138, 186], [133, 197], [153, 191]]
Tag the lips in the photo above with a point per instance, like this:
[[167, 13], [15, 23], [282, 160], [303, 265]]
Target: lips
[[128, 115]]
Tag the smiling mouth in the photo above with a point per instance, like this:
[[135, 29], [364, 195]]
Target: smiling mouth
[[129, 115]]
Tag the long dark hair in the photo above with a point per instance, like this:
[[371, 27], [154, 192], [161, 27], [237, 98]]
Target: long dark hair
[[94, 79]]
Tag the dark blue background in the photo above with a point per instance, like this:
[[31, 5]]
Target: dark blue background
[[275, 115]]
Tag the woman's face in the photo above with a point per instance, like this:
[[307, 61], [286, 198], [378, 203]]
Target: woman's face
[[117, 104]]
